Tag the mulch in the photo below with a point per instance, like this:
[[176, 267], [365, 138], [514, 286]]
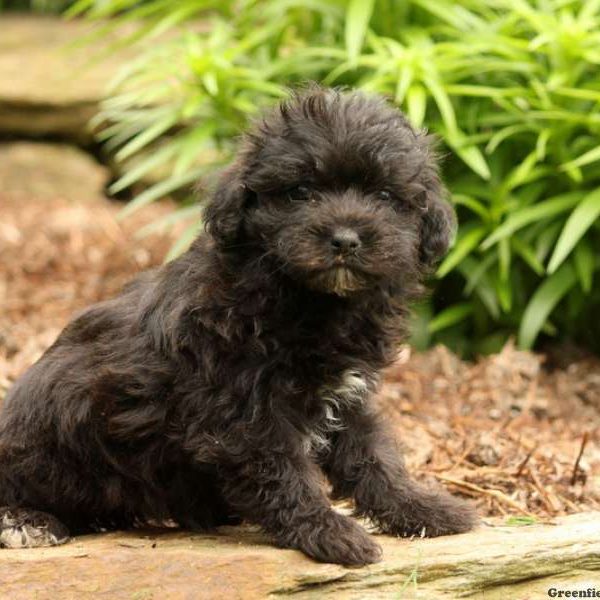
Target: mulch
[[517, 436]]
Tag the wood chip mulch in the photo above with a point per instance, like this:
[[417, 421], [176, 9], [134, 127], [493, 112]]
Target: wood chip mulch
[[517, 437]]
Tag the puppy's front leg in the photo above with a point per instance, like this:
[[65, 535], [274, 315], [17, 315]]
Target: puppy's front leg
[[366, 464], [284, 495]]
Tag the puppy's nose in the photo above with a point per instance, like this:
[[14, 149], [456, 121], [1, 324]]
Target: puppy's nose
[[345, 240]]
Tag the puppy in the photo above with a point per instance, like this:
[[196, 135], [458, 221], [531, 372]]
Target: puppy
[[224, 385]]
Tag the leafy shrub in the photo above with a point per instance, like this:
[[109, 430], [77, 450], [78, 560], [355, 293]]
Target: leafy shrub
[[38, 6], [511, 88]]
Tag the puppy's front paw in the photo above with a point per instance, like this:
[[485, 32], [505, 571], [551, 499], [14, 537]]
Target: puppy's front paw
[[335, 539], [428, 513], [24, 528]]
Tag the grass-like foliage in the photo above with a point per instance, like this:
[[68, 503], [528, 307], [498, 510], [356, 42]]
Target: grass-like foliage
[[36, 6], [511, 88]]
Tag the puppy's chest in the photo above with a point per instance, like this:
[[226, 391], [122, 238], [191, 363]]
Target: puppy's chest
[[335, 399]]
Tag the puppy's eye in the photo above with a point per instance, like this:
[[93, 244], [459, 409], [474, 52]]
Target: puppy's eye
[[300, 192], [384, 195]]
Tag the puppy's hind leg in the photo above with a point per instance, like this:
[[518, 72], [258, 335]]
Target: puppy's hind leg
[[25, 528], [196, 502]]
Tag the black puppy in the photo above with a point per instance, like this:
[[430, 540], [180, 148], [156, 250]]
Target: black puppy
[[223, 385]]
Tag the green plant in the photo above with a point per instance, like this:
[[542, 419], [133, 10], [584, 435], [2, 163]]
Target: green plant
[[511, 88], [520, 521], [38, 6], [411, 584]]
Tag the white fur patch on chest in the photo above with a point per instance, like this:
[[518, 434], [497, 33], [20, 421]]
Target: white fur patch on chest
[[350, 390]]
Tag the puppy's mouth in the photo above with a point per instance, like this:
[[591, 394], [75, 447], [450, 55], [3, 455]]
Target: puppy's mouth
[[340, 279]]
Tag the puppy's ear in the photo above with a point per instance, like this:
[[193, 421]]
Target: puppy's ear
[[224, 214], [438, 226]]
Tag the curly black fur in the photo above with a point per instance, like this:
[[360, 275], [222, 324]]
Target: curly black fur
[[224, 384]]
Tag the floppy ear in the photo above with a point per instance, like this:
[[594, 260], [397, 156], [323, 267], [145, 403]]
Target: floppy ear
[[224, 214], [438, 225]]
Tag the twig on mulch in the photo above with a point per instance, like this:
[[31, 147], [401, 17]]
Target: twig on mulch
[[496, 494], [584, 442], [525, 461], [552, 503]]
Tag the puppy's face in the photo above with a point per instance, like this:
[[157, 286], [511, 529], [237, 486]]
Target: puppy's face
[[337, 190], [339, 223]]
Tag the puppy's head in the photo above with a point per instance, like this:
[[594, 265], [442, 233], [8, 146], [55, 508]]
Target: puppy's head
[[339, 191]]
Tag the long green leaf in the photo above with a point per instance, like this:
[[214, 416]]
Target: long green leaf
[[358, 15], [444, 104], [504, 258], [450, 316], [160, 190], [147, 136], [528, 255], [472, 204], [184, 240], [474, 270], [464, 245], [486, 293], [541, 210], [473, 157], [587, 158], [543, 302], [478, 281], [505, 294], [504, 134], [163, 224], [416, 104], [585, 264], [581, 219], [521, 173]]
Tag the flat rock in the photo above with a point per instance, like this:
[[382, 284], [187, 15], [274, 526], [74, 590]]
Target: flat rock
[[493, 562], [40, 171], [49, 84]]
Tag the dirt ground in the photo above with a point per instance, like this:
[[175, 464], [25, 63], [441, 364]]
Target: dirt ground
[[518, 437]]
